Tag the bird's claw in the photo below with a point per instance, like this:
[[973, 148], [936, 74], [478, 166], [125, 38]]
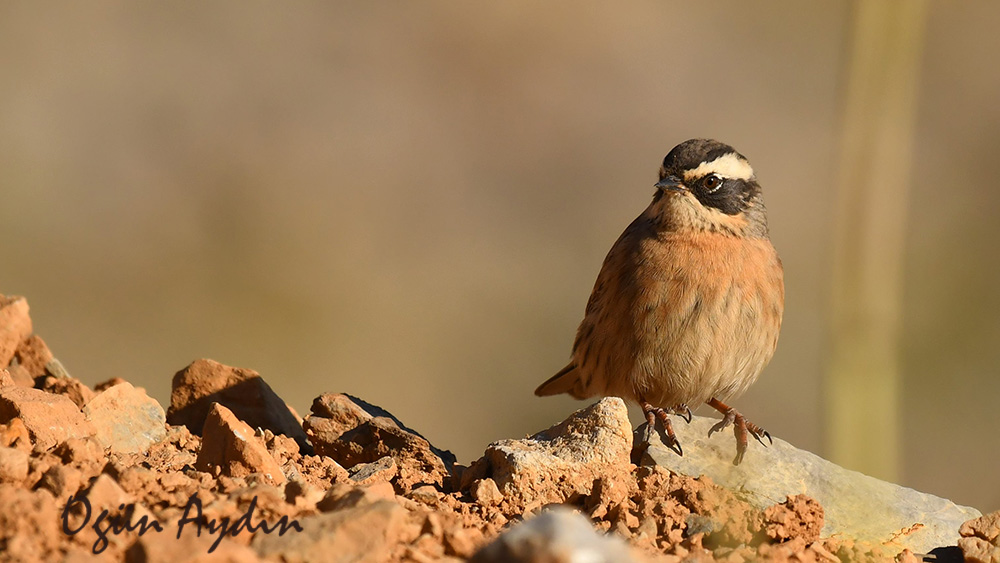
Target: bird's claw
[[669, 438], [674, 445], [685, 413], [760, 435], [741, 428]]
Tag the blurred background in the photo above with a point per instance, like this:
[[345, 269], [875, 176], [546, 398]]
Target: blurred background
[[411, 202]]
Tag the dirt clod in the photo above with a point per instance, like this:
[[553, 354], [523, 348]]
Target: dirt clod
[[980, 542], [798, 517]]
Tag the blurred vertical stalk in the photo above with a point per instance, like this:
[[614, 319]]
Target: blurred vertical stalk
[[863, 383]]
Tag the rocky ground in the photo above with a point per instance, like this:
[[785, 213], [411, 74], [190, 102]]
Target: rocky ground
[[231, 473]]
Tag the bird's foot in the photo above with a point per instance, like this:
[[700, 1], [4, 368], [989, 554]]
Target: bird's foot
[[741, 428], [653, 413]]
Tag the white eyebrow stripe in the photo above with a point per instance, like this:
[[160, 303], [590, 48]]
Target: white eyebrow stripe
[[728, 166]]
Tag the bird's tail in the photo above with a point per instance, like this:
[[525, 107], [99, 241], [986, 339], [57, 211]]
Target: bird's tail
[[566, 381]]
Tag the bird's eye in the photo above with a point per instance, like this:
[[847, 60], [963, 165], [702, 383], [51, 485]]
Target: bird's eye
[[711, 182]]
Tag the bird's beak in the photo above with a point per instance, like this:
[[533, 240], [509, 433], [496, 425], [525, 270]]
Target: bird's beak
[[672, 183]]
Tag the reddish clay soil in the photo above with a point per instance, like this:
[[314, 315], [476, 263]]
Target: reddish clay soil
[[84, 471]]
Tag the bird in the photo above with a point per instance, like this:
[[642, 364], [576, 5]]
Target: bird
[[687, 307]]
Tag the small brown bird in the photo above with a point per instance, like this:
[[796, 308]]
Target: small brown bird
[[688, 304]]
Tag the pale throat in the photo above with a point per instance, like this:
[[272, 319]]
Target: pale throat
[[679, 212]]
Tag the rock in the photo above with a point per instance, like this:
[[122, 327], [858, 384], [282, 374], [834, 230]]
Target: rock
[[344, 412], [978, 550], [13, 465], [986, 527], [20, 376], [33, 355], [562, 463], [80, 450], [363, 533], [242, 391], [383, 470], [6, 380], [427, 494], [980, 541], [230, 444], [50, 419], [379, 437], [108, 384], [855, 505], [556, 535], [105, 492], [125, 419], [486, 492], [15, 434], [72, 388], [15, 326], [56, 369], [341, 496], [333, 414]]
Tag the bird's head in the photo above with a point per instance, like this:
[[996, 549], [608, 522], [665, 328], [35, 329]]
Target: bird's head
[[707, 185]]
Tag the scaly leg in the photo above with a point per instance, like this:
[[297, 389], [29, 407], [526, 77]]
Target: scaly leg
[[652, 413], [741, 427]]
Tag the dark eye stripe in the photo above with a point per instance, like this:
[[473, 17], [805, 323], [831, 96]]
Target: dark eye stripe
[[729, 196]]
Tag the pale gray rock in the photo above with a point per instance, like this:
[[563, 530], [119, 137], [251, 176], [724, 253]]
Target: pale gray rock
[[383, 469], [125, 419], [556, 535], [563, 461], [856, 505]]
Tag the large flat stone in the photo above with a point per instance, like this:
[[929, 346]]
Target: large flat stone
[[856, 505]]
